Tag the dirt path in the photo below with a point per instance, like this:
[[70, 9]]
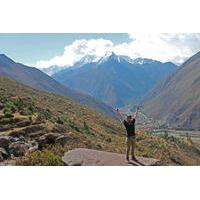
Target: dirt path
[[89, 157]]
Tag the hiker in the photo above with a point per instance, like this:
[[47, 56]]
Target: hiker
[[129, 124]]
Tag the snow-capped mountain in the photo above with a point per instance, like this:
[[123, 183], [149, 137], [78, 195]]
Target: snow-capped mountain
[[52, 69], [142, 61], [117, 80], [84, 60]]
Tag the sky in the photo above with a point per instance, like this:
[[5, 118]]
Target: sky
[[64, 49]]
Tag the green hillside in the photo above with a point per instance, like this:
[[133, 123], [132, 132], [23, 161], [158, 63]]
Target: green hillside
[[40, 127]]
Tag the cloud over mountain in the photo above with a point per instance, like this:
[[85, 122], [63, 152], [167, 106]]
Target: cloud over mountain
[[163, 46]]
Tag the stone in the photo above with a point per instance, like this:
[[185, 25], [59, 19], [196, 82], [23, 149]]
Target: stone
[[32, 149], [5, 141], [18, 148], [1, 157], [42, 141], [51, 137], [3, 154], [21, 138], [62, 140], [48, 138], [90, 157]]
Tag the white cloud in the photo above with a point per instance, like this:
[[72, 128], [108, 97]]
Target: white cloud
[[77, 50], [163, 47]]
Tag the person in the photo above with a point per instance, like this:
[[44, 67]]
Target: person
[[129, 124]]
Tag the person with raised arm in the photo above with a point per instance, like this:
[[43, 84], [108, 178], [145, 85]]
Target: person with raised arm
[[129, 123]]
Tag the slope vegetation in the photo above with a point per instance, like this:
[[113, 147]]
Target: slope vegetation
[[176, 100], [37, 79], [38, 128]]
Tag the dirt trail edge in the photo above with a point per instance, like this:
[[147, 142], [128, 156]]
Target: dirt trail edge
[[90, 157]]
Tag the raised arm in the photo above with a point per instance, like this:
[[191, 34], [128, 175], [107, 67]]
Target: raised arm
[[121, 118], [136, 112]]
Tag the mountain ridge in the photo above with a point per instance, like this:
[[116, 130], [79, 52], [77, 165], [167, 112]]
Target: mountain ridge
[[115, 80], [176, 99], [44, 126], [35, 78]]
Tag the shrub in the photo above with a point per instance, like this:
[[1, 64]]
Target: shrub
[[8, 115], [26, 111], [23, 123], [6, 120], [86, 127], [44, 113], [11, 106], [58, 128], [59, 120], [41, 158], [74, 126]]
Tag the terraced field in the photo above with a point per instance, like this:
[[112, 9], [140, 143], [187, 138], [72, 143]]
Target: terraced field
[[37, 128]]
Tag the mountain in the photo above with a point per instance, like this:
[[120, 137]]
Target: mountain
[[37, 79], [55, 68], [52, 69], [39, 127], [176, 99], [115, 80]]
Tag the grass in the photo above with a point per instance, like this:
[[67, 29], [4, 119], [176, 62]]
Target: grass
[[45, 112]]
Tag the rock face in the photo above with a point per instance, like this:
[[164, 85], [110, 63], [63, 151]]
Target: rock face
[[62, 140], [3, 154], [18, 148], [4, 141], [89, 157], [115, 80], [11, 147], [53, 138]]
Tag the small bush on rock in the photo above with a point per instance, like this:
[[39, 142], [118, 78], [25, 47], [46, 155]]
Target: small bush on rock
[[41, 158]]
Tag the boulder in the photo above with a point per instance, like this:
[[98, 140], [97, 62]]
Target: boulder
[[1, 157], [42, 141], [18, 148], [90, 157], [21, 138], [48, 138], [5, 141], [51, 137], [62, 140], [3, 154], [32, 149]]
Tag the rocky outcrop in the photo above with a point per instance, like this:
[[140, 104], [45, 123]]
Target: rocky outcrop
[[5, 141], [53, 138], [18, 148], [3, 154], [89, 157]]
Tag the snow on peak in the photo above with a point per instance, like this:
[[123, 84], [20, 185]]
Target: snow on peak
[[142, 61], [87, 59], [109, 56]]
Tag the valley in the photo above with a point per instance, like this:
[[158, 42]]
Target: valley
[[176, 99], [42, 119], [37, 128]]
